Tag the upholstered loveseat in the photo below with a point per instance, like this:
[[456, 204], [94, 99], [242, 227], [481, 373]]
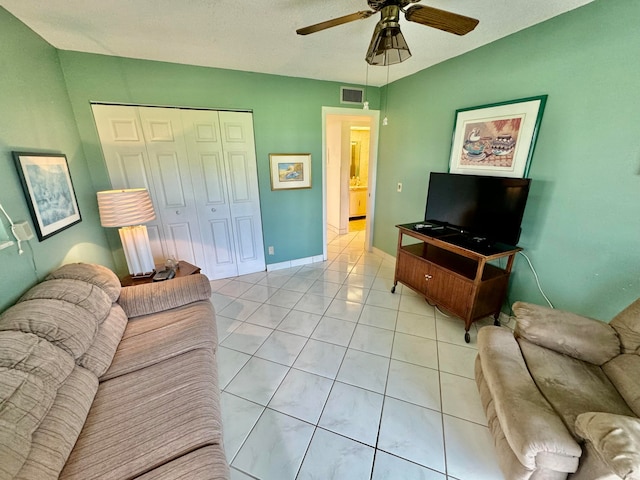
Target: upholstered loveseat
[[562, 395], [102, 382]]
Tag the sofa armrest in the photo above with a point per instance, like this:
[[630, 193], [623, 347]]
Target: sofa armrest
[[158, 296], [536, 434], [615, 439], [579, 337]]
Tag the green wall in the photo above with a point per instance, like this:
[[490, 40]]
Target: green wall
[[36, 116], [582, 224], [287, 119]]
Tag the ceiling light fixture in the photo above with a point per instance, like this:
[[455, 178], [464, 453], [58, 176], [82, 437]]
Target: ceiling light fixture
[[388, 45]]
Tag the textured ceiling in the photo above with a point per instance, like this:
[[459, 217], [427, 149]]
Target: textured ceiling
[[259, 35]]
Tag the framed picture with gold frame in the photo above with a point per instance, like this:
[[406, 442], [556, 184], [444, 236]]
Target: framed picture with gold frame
[[290, 170]]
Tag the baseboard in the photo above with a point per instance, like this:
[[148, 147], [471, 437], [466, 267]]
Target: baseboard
[[294, 263]]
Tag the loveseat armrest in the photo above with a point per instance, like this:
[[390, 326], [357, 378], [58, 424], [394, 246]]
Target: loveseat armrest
[[615, 439], [535, 433], [579, 337], [158, 296]]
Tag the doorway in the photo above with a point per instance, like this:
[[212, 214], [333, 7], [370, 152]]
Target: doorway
[[346, 195]]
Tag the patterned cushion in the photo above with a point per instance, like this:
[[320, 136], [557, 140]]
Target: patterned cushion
[[627, 324], [95, 274], [100, 354]]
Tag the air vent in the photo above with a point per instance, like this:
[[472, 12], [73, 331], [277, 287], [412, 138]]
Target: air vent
[[351, 95]]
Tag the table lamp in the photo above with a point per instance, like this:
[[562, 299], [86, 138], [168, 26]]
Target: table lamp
[[129, 209]]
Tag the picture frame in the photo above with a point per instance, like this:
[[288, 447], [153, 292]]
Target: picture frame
[[496, 139], [49, 191], [290, 171]]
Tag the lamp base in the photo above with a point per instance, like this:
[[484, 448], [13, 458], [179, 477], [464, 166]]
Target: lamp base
[[137, 251]]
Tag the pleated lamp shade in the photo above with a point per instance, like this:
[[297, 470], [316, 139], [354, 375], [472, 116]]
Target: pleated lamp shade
[[123, 208], [128, 209]]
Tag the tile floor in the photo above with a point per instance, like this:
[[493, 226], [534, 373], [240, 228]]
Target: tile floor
[[327, 375]]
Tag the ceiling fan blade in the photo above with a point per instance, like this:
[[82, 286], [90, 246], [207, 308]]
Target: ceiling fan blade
[[335, 22], [441, 19]]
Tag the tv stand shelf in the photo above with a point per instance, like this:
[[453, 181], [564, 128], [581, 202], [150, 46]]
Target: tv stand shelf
[[458, 279]]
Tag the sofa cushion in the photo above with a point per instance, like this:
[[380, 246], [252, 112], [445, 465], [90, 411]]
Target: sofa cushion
[[100, 354], [94, 300], [627, 324], [571, 385], [624, 373], [156, 297], [94, 274], [206, 463], [153, 338], [615, 440], [55, 437], [580, 337], [140, 420], [66, 325], [31, 371]]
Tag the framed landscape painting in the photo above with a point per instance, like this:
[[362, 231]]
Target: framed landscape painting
[[290, 170], [49, 191], [496, 139]]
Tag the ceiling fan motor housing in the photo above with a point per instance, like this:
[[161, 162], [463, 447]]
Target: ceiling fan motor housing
[[377, 5]]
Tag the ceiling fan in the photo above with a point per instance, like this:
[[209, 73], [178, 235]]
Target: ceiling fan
[[388, 45]]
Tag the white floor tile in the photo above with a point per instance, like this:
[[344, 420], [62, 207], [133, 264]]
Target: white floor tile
[[333, 276], [326, 289], [272, 280], [451, 330], [258, 380], [457, 360], [390, 467], [320, 358], [300, 323], [230, 362], [240, 309], [414, 384], [460, 398], [275, 448], [302, 395], [470, 451], [238, 417], [312, 303], [364, 370], [298, 284], [353, 294], [333, 457], [282, 347], [238, 475], [220, 301], [333, 330], [253, 277], [414, 304], [378, 317], [416, 350], [385, 284], [413, 433], [414, 324], [285, 298], [226, 326], [247, 338], [268, 316], [372, 340], [378, 298], [259, 293], [234, 288], [358, 280], [344, 310], [353, 412]]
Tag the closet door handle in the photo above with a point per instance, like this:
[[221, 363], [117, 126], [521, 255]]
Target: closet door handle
[[177, 212], [428, 277], [213, 209]]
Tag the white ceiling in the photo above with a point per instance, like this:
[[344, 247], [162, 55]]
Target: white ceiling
[[259, 35]]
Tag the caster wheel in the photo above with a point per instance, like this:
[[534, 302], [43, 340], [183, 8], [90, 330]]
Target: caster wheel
[[496, 322], [393, 289], [467, 337]]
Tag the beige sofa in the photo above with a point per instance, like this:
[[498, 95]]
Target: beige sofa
[[562, 396], [102, 382]]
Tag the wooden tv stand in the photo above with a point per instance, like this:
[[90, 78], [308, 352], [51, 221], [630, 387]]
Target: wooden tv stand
[[458, 279]]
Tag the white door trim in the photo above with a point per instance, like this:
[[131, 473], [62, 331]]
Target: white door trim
[[373, 165]]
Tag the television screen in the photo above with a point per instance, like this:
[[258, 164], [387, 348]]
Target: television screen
[[483, 206]]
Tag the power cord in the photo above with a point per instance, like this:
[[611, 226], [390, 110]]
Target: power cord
[[13, 230], [535, 275]]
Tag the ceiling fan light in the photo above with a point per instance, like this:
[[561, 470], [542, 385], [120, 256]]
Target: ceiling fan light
[[387, 46]]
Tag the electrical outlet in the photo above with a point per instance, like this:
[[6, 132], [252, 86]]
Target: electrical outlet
[[271, 250], [399, 187]]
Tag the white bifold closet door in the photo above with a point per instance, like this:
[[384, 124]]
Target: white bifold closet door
[[200, 169]]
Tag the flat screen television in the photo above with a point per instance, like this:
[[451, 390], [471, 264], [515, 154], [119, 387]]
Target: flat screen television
[[477, 205]]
